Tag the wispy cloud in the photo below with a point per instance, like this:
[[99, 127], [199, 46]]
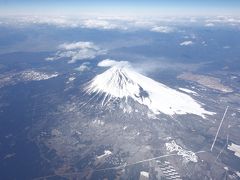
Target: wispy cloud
[[77, 45], [220, 20], [209, 25], [146, 66], [77, 51], [83, 67], [102, 24], [151, 66], [69, 22], [162, 29], [186, 43], [157, 23], [110, 63]]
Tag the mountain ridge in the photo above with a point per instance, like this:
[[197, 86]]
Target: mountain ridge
[[124, 82]]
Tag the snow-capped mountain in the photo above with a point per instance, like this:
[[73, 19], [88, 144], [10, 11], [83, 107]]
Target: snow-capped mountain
[[124, 83]]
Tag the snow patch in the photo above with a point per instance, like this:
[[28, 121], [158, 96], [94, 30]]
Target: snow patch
[[36, 75], [235, 148], [106, 154], [187, 155], [70, 80], [144, 175], [126, 108], [226, 168], [98, 122], [151, 115], [188, 91]]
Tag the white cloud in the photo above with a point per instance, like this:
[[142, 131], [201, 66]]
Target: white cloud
[[85, 21], [78, 45], [49, 58], [113, 22], [77, 51], [204, 43], [224, 20], [83, 67], [226, 47], [162, 29], [143, 23], [192, 19], [101, 24], [110, 63], [186, 43], [146, 66], [209, 25]]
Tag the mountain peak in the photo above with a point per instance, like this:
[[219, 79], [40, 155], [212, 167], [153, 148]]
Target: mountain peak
[[123, 82]]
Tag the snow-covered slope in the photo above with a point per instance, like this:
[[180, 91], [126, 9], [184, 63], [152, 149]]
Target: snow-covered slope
[[123, 82]]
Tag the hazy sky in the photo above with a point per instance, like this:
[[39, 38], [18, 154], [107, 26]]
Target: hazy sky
[[120, 7]]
